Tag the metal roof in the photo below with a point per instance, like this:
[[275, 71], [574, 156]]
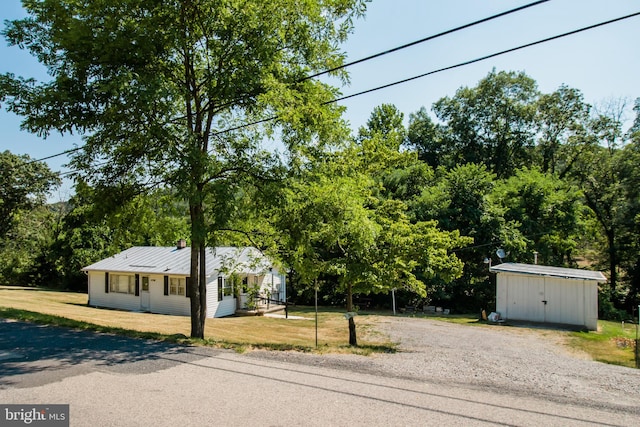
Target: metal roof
[[544, 270], [171, 260]]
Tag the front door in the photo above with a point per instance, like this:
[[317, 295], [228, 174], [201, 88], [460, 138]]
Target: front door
[[144, 294]]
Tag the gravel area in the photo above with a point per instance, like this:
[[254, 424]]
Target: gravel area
[[510, 360]]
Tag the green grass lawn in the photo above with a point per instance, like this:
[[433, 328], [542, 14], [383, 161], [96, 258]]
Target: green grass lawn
[[613, 343], [240, 333]]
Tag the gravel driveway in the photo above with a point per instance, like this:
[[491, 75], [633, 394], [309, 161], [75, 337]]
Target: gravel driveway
[[510, 360]]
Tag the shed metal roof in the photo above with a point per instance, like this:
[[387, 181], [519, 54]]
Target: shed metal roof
[[171, 260], [544, 270]]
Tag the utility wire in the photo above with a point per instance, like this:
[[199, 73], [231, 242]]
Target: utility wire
[[368, 58], [473, 61], [461, 64], [451, 67], [435, 36]]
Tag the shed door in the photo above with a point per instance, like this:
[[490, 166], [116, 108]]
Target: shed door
[[525, 296], [565, 301]]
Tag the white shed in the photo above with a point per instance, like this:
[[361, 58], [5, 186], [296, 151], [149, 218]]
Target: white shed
[[539, 293]]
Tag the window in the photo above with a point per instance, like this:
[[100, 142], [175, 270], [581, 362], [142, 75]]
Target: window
[[177, 286], [227, 289], [145, 283], [121, 283]]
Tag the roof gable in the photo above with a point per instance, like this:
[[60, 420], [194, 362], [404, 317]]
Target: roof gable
[[544, 270], [171, 260]]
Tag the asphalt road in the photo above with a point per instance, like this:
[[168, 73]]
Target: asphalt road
[[115, 381]]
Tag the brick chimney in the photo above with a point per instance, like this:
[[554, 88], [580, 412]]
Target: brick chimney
[[181, 244]]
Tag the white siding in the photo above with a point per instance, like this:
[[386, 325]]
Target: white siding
[[591, 305], [568, 301], [521, 297], [178, 305], [99, 298], [216, 308]]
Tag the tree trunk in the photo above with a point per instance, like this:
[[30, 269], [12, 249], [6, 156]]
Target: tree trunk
[[613, 261], [352, 323], [198, 269]]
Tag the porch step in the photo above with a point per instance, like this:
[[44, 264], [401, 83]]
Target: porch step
[[262, 309]]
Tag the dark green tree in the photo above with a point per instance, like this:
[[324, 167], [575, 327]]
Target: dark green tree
[[461, 200], [492, 123], [547, 211], [24, 185], [596, 161], [561, 116]]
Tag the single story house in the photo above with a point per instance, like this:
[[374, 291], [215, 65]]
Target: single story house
[[154, 279], [539, 293]]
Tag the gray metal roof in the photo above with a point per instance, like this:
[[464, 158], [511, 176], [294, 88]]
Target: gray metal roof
[[171, 260], [544, 270]]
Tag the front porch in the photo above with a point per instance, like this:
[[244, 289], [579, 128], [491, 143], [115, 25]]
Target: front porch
[[260, 306]]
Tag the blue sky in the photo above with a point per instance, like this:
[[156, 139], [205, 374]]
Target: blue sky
[[602, 63]]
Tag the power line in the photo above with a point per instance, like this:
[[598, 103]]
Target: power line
[[368, 58], [482, 58], [461, 64], [451, 67], [435, 36]]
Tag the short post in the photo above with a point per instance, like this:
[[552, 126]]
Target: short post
[[316, 315], [393, 299], [637, 340]]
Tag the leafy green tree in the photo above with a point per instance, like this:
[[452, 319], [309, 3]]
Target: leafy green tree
[[461, 200], [492, 124], [425, 137], [385, 121], [24, 185], [153, 86], [23, 248], [547, 211], [596, 170], [337, 228], [561, 116], [629, 230]]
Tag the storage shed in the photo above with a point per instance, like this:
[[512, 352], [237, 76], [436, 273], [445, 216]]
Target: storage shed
[[539, 293]]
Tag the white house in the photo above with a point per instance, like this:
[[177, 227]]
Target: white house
[[539, 293], [154, 279]]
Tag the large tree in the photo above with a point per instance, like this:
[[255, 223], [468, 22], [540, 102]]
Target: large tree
[[154, 85], [337, 229], [492, 123]]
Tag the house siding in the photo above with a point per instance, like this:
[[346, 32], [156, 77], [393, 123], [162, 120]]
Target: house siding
[[215, 308], [177, 305], [99, 298]]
